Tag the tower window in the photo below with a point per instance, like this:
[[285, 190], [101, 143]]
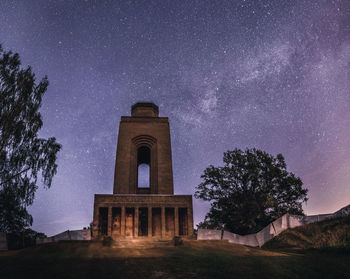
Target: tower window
[[143, 167]]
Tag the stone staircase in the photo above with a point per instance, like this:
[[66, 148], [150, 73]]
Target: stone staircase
[[139, 243]]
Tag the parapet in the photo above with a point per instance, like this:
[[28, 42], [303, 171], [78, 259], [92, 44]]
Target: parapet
[[144, 110]]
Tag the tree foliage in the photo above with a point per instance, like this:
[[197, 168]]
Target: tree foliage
[[24, 157], [252, 189]]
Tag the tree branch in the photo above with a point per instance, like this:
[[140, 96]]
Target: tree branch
[[15, 176]]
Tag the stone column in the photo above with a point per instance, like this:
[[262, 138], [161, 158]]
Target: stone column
[[190, 221], [149, 221], [163, 222], [122, 222], [95, 223], [136, 223], [109, 221], [176, 210]]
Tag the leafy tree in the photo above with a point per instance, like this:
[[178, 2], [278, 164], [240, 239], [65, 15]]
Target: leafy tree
[[24, 157], [252, 189], [25, 238]]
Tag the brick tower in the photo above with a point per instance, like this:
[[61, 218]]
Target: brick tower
[[143, 204]]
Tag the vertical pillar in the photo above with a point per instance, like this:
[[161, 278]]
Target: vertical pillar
[[122, 222], [176, 210], [149, 221], [95, 232], [163, 222], [109, 221], [190, 221], [136, 223]]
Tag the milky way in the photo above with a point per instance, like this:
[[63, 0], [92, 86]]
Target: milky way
[[274, 75]]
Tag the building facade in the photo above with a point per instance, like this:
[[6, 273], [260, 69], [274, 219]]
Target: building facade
[[143, 204]]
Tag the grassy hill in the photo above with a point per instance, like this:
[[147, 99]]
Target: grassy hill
[[194, 259], [329, 234]]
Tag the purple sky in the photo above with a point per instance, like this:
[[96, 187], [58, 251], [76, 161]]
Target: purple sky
[[274, 75]]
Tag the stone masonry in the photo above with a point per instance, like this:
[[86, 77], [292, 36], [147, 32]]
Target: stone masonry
[[150, 211]]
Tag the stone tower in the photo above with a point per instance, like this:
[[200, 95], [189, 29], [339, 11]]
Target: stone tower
[[143, 203], [144, 138]]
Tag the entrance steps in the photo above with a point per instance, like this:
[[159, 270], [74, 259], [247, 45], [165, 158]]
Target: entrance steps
[[141, 243]]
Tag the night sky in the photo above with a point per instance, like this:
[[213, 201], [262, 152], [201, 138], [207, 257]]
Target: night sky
[[274, 75]]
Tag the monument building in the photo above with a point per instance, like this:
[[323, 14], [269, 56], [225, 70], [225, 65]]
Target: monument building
[[143, 204]]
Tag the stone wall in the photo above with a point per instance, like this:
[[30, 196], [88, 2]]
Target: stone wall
[[204, 234], [136, 202], [154, 133], [273, 229], [345, 211], [67, 235]]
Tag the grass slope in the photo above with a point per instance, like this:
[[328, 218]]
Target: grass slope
[[328, 234], [195, 259]]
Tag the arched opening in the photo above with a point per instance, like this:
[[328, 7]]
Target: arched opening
[[143, 167]]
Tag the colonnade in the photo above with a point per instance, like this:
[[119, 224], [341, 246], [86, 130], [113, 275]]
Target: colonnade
[[144, 221]]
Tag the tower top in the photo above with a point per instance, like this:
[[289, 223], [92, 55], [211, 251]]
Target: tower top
[[145, 110]]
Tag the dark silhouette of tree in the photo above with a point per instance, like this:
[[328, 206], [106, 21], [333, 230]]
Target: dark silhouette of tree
[[252, 189], [24, 157]]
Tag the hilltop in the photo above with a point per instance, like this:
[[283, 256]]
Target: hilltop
[[194, 259], [327, 234]]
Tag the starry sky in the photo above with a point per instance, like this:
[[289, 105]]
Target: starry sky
[[274, 75]]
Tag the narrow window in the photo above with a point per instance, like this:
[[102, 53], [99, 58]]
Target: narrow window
[[143, 221], [116, 220], [183, 221], [103, 220], [170, 222], [143, 167], [156, 221]]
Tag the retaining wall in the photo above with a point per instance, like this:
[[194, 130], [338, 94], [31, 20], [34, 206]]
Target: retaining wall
[[67, 235], [205, 234], [273, 229]]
